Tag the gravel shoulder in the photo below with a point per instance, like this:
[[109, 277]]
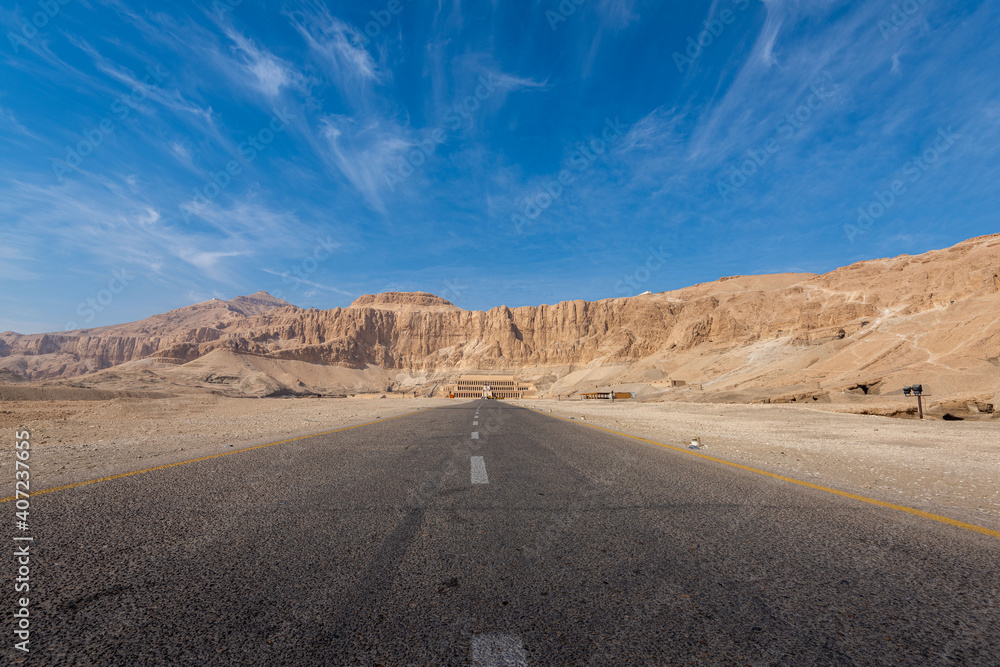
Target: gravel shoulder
[[948, 468]]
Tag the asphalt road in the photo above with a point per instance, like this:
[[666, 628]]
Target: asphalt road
[[541, 542]]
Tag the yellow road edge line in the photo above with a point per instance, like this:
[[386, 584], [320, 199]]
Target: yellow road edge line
[[853, 496], [206, 458]]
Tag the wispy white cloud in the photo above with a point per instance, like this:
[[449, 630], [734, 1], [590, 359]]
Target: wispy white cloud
[[617, 14], [339, 46], [10, 122], [313, 284], [106, 223], [511, 82], [363, 153], [251, 223], [181, 151], [368, 147], [208, 262], [264, 71], [158, 87]]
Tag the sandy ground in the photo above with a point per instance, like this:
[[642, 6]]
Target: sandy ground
[[73, 441], [949, 468], [945, 467]]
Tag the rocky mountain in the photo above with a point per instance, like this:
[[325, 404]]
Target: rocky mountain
[[867, 328], [71, 353]]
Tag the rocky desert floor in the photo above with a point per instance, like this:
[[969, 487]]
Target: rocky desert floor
[[949, 468]]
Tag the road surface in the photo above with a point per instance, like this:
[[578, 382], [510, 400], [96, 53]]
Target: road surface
[[486, 534]]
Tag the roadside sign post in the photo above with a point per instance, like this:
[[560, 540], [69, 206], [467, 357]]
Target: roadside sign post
[[917, 390]]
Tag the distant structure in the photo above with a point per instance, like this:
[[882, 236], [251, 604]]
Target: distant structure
[[497, 386], [608, 395]]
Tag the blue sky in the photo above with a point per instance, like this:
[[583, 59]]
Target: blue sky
[[494, 153]]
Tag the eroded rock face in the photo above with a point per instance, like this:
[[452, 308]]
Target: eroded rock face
[[401, 299], [937, 308]]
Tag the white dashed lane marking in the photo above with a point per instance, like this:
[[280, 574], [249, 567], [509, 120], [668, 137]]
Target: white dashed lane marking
[[498, 651], [475, 435], [479, 471], [475, 423]]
